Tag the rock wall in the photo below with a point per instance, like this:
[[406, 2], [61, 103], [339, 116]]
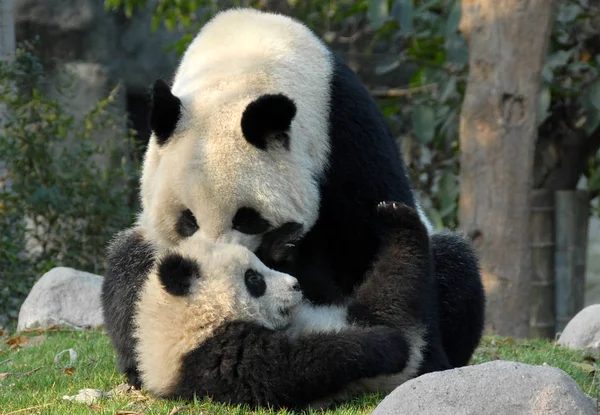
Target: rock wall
[[99, 48]]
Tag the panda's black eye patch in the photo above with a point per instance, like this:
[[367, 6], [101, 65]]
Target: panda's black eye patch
[[186, 224], [255, 282], [176, 272], [249, 221]]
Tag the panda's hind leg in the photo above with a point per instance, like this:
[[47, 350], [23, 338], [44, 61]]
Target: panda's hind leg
[[461, 295], [393, 287]]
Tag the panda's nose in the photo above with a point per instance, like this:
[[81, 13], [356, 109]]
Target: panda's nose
[[296, 287]]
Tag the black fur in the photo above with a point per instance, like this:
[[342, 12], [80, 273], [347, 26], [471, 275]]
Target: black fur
[[268, 117], [249, 221], [462, 297], [165, 111], [255, 283], [129, 260], [278, 246], [365, 167], [176, 272], [399, 288], [248, 364], [186, 224]]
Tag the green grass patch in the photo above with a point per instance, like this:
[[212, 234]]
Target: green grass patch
[[31, 377]]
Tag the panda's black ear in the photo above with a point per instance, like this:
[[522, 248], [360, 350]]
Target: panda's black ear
[[176, 272], [165, 111], [269, 117]]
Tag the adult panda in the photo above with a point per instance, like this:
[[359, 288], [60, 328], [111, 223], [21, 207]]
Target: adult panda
[[265, 132], [212, 320]]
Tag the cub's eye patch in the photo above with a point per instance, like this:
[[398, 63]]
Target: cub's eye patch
[[186, 224], [249, 221], [255, 283]]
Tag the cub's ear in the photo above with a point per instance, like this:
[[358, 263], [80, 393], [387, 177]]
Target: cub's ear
[[165, 111], [175, 274], [269, 117]]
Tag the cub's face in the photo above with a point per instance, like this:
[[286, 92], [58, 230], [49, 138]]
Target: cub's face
[[228, 282]]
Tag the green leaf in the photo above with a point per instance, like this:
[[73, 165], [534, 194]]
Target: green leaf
[[423, 120], [593, 93], [449, 88], [448, 190], [403, 11], [586, 367], [567, 13], [454, 43], [377, 13], [590, 101], [558, 59], [428, 5], [435, 218], [594, 180], [592, 121], [453, 19]]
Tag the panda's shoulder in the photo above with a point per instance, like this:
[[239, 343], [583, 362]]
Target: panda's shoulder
[[130, 253]]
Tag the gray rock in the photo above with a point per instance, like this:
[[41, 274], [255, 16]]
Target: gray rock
[[497, 387], [583, 331], [63, 296]]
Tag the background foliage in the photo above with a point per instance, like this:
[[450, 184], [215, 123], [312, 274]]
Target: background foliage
[[59, 204]]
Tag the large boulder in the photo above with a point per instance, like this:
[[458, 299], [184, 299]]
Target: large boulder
[[63, 296], [498, 387], [583, 331]]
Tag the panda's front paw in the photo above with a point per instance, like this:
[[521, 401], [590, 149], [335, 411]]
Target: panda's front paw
[[400, 216]]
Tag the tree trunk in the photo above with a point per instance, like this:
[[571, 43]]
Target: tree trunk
[[498, 127]]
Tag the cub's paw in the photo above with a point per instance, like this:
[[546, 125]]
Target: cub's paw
[[400, 216]]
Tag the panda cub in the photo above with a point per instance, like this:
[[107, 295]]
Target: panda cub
[[213, 320]]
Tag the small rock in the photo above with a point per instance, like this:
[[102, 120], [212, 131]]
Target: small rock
[[498, 387], [63, 296], [583, 331], [86, 396]]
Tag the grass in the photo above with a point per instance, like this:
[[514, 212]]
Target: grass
[[33, 380]]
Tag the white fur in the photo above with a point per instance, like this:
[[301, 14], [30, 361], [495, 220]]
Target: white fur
[[207, 165], [318, 319], [167, 327]]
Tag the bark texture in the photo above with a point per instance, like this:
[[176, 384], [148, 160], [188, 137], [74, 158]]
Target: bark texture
[[498, 129]]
